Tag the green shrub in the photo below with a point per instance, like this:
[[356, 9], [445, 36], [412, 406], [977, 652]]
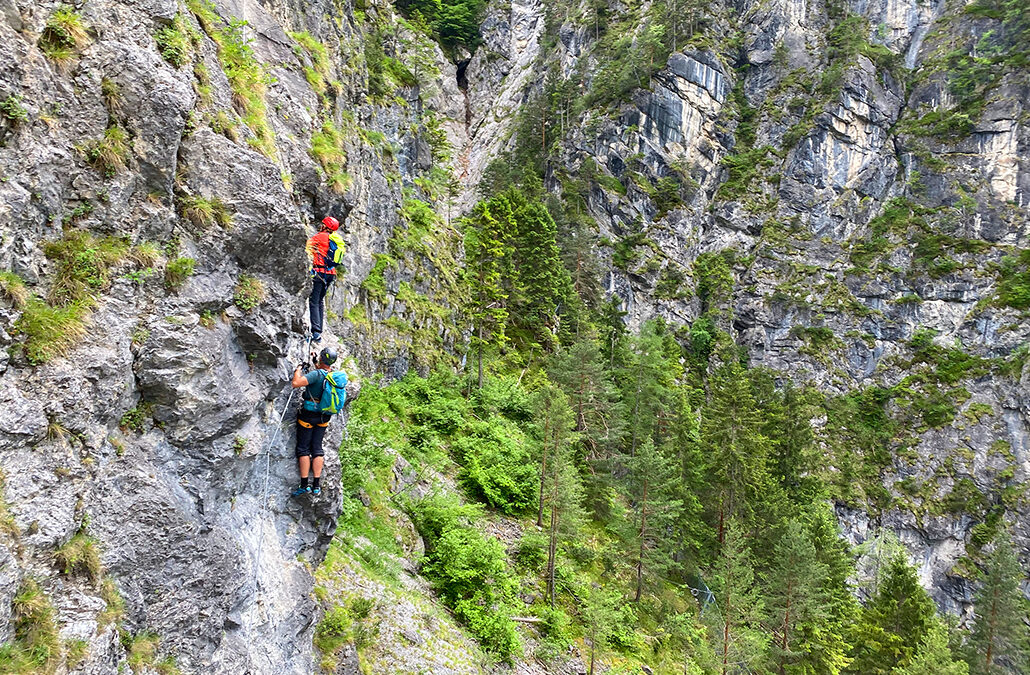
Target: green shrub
[[496, 466], [531, 552], [468, 570], [177, 272], [1014, 281], [134, 418], [745, 170], [80, 555], [175, 42], [250, 293], [64, 34], [13, 111]]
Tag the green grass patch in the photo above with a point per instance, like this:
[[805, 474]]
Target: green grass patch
[[80, 555], [205, 212], [109, 154], [176, 41], [250, 292], [64, 35], [144, 655], [35, 647], [13, 289], [327, 148], [247, 77], [177, 272]]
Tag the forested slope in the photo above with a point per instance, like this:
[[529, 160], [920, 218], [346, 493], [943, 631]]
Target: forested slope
[[692, 336]]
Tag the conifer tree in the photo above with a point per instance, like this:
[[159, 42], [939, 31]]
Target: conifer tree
[[735, 617], [830, 641], [657, 510], [594, 400], [736, 448], [646, 383], [999, 644], [893, 623], [543, 284], [488, 265], [934, 656], [600, 615], [795, 601]]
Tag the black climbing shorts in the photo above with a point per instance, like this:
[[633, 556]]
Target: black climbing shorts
[[311, 428]]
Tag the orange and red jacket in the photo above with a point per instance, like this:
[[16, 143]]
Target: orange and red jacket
[[318, 249]]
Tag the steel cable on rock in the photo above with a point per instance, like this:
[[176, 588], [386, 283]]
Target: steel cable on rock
[[264, 490]]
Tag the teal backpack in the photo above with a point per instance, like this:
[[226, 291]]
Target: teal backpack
[[334, 394]]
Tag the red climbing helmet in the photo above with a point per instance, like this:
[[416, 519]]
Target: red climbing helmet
[[331, 224]]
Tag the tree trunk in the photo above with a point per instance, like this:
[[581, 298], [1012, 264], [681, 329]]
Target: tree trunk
[[543, 466], [640, 554], [480, 356]]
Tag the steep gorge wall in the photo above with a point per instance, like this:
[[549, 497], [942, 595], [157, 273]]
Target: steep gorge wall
[[177, 507], [150, 435]]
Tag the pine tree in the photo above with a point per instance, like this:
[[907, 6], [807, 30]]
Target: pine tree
[[934, 656], [561, 494], [830, 642], [653, 478], [600, 616], [734, 620], [795, 601], [998, 644], [543, 284], [646, 383], [488, 264], [582, 375], [736, 448], [894, 622]]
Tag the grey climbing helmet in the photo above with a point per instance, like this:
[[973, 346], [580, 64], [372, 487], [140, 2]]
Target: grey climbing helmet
[[327, 356]]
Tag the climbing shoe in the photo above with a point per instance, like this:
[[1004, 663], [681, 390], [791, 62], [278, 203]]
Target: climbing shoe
[[305, 490], [316, 491], [315, 339]]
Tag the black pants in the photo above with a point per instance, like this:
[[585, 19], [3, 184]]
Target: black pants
[[319, 285], [311, 428]]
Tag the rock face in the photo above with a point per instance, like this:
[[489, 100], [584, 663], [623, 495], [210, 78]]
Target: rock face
[[160, 431]]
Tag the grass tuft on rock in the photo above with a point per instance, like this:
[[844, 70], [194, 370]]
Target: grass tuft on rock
[[36, 645], [327, 148], [247, 77], [110, 154], [175, 41], [64, 35], [83, 269], [177, 272], [250, 293], [13, 289], [205, 212], [80, 555], [144, 655]]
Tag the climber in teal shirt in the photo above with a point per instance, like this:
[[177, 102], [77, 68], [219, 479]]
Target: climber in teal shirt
[[312, 423]]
